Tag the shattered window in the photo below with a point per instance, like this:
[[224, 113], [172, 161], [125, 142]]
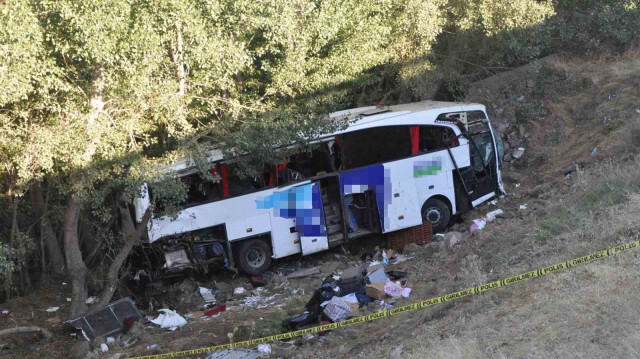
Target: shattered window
[[482, 149], [242, 183], [434, 138], [375, 145]]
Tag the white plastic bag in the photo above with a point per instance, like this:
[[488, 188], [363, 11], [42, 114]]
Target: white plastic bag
[[169, 319]]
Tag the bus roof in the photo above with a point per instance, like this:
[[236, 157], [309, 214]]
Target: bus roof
[[367, 117]]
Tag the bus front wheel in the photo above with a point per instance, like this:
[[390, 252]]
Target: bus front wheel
[[438, 213], [254, 256]]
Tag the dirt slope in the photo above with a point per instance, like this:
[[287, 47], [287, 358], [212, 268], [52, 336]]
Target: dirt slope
[[556, 110]]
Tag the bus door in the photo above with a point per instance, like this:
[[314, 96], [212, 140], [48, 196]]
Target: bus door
[[481, 178], [306, 202]]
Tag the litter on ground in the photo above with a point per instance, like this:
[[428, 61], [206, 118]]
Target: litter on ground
[[169, 319]]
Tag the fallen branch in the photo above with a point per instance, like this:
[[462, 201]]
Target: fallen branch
[[18, 330]]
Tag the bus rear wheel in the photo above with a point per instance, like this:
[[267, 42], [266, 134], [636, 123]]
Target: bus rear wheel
[[254, 256], [438, 213]]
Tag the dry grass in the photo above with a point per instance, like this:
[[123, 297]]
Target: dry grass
[[585, 312]]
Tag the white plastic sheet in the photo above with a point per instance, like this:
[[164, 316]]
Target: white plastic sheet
[[169, 319]]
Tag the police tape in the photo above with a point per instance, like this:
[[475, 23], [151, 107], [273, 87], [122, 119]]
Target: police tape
[[406, 308]]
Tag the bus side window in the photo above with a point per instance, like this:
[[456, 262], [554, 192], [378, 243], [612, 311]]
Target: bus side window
[[240, 183], [375, 145], [435, 138]]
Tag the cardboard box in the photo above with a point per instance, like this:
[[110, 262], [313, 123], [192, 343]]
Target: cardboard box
[[355, 309], [376, 291], [373, 268]]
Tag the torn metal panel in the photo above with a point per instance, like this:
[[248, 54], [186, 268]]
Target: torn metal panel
[[108, 320]]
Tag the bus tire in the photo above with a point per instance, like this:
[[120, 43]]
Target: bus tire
[[254, 256], [438, 213]]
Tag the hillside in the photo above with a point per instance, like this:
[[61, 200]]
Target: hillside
[[555, 109]]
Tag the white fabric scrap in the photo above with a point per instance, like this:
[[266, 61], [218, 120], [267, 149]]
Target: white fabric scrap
[[169, 319], [264, 348], [493, 214], [91, 300], [406, 292], [239, 290], [523, 207], [51, 309]]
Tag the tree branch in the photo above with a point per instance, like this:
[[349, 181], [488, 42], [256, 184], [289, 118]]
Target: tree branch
[[114, 268], [18, 330]]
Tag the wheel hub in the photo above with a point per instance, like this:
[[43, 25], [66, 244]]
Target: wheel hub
[[256, 257], [433, 215]]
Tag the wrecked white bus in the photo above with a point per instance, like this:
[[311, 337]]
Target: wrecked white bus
[[392, 168]]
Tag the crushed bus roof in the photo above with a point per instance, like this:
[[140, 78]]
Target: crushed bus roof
[[362, 117]]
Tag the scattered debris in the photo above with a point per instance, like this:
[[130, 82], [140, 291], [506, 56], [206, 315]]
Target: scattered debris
[[236, 353], [638, 110], [494, 202], [110, 340], [305, 272], [518, 153], [169, 319], [216, 310], [493, 214], [5, 312], [52, 309], [239, 290], [337, 309], [477, 225], [517, 185], [393, 289], [91, 300], [110, 320], [152, 346], [208, 295], [264, 348], [594, 151], [104, 348], [523, 207]]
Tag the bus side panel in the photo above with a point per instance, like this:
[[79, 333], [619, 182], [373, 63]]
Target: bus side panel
[[284, 237], [433, 173], [404, 209], [237, 211], [248, 226]]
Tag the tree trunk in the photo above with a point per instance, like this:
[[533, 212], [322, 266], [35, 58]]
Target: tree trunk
[[14, 231], [47, 234], [75, 266], [17, 330], [179, 58], [97, 88], [114, 268]]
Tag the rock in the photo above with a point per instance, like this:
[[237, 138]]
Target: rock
[[329, 268], [223, 287], [410, 248], [522, 131], [432, 248], [453, 238], [79, 350], [136, 330], [518, 153], [97, 342], [187, 286], [537, 190], [304, 272], [396, 353]]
